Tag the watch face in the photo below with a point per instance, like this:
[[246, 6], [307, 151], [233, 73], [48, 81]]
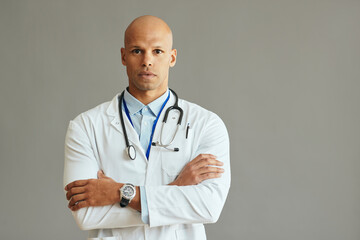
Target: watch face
[[128, 192]]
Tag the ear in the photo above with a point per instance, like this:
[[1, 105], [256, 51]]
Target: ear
[[123, 56], [173, 54]]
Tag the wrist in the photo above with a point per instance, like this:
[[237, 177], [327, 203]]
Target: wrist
[[117, 197], [136, 202]]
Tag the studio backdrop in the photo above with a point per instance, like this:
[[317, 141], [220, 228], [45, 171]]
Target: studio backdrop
[[283, 75]]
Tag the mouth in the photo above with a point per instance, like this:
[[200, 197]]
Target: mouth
[[146, 74]]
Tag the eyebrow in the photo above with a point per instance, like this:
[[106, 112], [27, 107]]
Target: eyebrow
[[140, 47]]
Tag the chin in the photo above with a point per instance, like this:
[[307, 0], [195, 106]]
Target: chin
[[148, 86], [145, 87]]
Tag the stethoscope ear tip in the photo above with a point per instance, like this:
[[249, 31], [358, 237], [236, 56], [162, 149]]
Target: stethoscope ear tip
[[164, 146]]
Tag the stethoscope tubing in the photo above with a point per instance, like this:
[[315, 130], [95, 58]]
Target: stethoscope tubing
[[131, 151], [129, 148]]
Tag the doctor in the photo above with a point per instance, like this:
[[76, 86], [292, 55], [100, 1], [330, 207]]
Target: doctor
[[173, 178]]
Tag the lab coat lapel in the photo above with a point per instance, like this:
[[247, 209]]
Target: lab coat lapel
[[113, 112]]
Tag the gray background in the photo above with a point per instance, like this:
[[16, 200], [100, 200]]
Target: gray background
[[283, 75]]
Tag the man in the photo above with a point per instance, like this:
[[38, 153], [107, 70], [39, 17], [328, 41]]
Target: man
[[180, 175]]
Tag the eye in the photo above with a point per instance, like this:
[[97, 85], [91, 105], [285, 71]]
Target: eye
[[136, 51], [158, 51]]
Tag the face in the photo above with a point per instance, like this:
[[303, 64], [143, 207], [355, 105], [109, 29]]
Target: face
[[148, 56]]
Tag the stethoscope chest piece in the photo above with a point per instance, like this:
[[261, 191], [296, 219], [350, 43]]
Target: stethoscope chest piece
[[131, 152]]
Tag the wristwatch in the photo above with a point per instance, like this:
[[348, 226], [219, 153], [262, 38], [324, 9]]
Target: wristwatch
[[127, 193]]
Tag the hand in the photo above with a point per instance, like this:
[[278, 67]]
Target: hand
[[93, 192], [199, 170]]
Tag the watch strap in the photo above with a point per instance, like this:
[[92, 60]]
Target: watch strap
[[124, 202]]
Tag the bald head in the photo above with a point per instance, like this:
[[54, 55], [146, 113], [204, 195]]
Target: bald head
[[148, 55], [148, 25]]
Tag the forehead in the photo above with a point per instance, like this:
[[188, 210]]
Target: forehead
[[146, 41], [148, 37]]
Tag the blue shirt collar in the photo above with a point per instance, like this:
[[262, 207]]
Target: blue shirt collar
[[134, 106]]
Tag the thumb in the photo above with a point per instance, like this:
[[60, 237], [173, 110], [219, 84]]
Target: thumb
[[101, 174]]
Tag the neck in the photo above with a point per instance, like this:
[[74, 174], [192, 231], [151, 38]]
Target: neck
[[146, 97]]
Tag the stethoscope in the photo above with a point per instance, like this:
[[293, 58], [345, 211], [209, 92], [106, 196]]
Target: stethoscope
[[130, 149]]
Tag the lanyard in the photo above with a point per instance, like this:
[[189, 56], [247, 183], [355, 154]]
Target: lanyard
[[154, 125]]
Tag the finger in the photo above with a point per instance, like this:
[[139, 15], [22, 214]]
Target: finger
[[76, 199], [100, 174], [79, 205], [202, 156], [78, 183], [73, 191], [208, 161], [204, 170], [207, 176]]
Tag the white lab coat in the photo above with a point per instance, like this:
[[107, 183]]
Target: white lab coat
[[95, 140]]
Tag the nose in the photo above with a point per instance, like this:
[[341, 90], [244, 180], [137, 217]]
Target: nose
[[147, 60]]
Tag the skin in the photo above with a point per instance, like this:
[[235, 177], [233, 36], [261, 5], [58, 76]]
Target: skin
[[148, 48], [147, 56]]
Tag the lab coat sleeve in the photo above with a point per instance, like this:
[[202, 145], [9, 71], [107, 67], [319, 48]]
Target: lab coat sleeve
[[200, 203], [81, 163]]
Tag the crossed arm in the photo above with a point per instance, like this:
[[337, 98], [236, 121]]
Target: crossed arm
[[105, 191], [197, 195]]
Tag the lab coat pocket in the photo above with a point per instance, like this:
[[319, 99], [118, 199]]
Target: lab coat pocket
[[172, 162]]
